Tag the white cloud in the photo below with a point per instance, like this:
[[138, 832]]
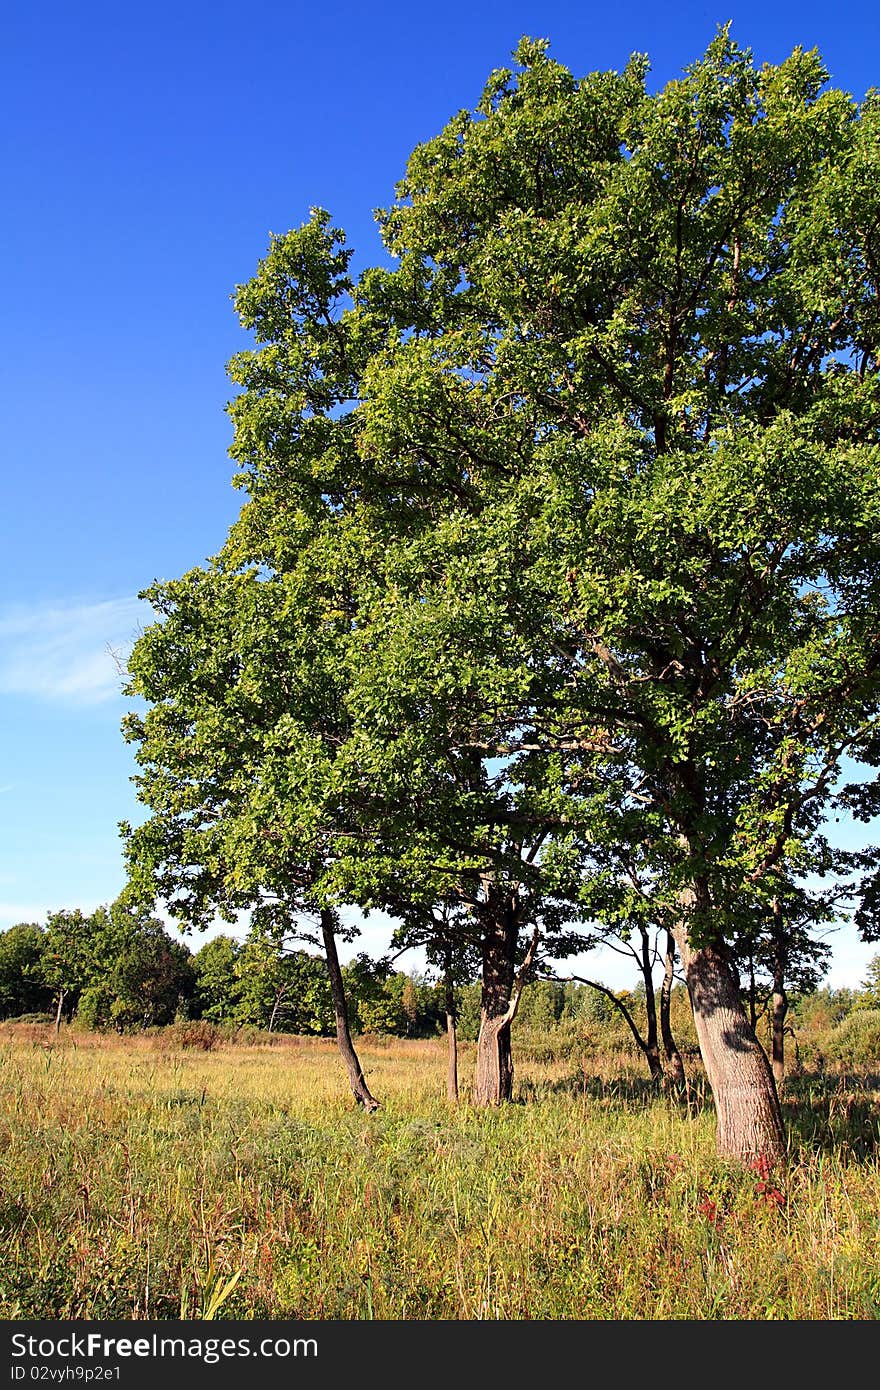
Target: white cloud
[[68, 651]]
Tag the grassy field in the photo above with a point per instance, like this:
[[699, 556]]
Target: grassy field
[[140, 1181]]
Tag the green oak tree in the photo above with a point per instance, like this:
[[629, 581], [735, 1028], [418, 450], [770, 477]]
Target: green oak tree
[[218, 986], [560, 537], [22, 989], [79, 950], [641, 346]]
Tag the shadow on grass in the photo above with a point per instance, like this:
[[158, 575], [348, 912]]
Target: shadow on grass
[[630, 1092], [837, 1113], [834, 1112]]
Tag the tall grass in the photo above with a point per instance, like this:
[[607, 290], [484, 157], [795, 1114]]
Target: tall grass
[[142, 1180]]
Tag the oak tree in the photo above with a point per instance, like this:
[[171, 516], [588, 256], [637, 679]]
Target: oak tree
[[560, 531]]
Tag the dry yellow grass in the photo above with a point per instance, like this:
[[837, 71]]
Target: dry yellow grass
[[137, 1179]]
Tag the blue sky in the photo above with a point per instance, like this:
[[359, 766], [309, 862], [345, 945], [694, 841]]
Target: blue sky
[[148, 153]]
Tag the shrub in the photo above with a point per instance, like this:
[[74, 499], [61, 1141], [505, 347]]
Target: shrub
[[198, 1033], [856, 1040]]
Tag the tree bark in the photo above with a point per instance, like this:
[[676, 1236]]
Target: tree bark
[[452, 1057], [779, 999], [493, 1079], [651, 1047], [744, 1091], [359, 1087], [674, 1064], [451, 1030], [779, 1011], [61, 995]]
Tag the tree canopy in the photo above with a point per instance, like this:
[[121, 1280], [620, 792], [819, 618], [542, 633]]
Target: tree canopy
[[560, 541]]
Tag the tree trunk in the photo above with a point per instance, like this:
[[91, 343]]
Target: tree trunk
[[630, 1023], [275, 1007], [493, 1080], [780, 1009], [61, 996], [359, 1088], [753, 1002], [779, 1000], [451, 1031], [674, 1064], [746, 1102], [452, 1054], [651, 1047]]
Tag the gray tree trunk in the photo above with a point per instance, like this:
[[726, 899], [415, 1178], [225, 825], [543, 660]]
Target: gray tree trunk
[[493, 1079], [359, 1088], [746, 1101], [451, 1029], [674, 1064]]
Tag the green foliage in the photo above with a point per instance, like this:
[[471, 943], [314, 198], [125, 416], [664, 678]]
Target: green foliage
[[554, 591], [855, 1041], [281, 990], [541, 1006], [116, 967], [820, 1011], [152, 980], [467, 999], [22, 986], [836, 1027], [94, 1010], [77, 949], [217, 989], [870, 988], [382, 1000]]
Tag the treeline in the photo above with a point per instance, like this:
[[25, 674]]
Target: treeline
[[119, 969]]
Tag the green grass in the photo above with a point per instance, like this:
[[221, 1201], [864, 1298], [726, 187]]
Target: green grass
[[141, 1182]]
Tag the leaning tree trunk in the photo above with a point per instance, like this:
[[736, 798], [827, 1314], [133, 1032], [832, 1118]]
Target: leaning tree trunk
[[359, 1088], [653, 1062], [451, 1030], [746, 1101], [61, 996], [652, 1047], [674, 1064], [779, 998], [493, 1079], [779, 1007]]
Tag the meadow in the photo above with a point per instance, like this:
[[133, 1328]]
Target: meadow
[[141, 1179]]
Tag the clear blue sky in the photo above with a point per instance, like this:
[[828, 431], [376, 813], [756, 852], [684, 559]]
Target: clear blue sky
[[148, 152]]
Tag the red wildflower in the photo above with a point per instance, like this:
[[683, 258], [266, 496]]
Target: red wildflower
[[709, 1209]]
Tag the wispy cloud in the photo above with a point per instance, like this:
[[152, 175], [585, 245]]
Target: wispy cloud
[[68, 651]]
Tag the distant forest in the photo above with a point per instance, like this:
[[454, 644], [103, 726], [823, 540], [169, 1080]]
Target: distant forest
[[120, 970]]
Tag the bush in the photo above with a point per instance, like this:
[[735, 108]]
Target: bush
[[94, 1012], [856, 1040], [198, 1033]]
